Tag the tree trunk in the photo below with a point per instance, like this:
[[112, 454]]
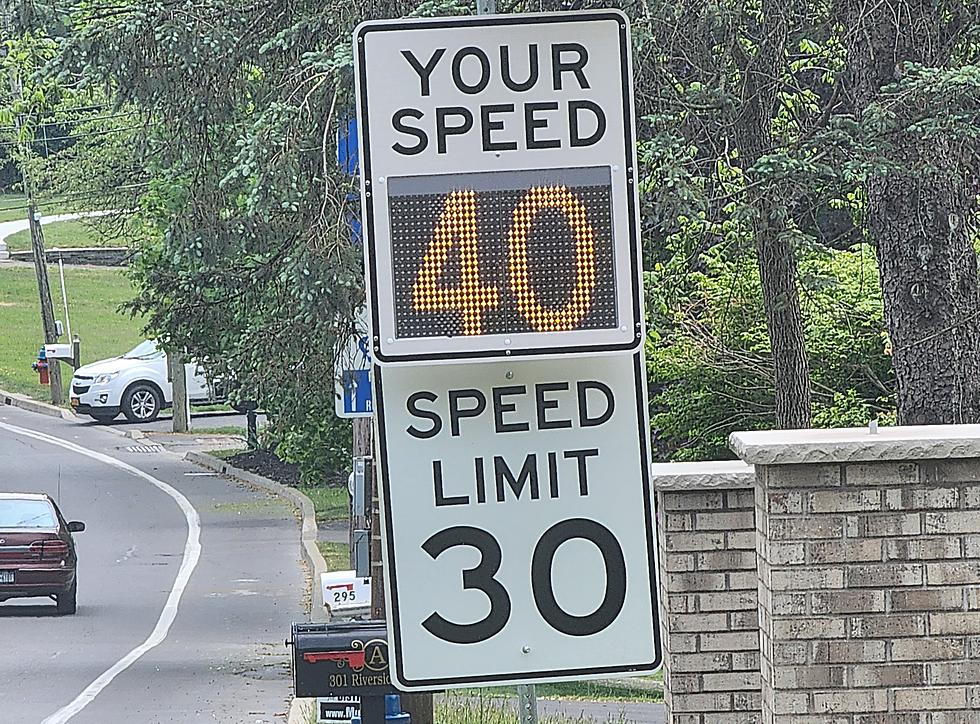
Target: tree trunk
[[929, 284], [774, 248], [177, 373], [922, 220], [781, 299]]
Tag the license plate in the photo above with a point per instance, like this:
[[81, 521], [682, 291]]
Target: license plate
[[6, 576], [75, 402]]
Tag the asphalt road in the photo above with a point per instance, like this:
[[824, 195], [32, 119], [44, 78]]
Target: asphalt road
[[603, 712], [199, 421], [581, 712], [222, 658]]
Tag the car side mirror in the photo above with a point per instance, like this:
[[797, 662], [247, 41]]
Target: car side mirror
[[76, 526]]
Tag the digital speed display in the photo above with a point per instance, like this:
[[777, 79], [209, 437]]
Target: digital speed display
[[502, 254]]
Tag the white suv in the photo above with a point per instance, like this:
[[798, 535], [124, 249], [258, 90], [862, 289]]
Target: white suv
[[134, 384]]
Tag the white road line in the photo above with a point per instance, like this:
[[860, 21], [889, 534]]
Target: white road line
[[192, 552]]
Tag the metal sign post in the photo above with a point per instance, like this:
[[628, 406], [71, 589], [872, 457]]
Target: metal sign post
[[527, 702]]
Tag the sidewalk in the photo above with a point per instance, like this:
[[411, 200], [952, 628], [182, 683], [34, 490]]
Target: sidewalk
[[9, 228]]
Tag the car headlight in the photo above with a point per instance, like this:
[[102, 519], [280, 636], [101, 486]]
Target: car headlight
[[102, 379]]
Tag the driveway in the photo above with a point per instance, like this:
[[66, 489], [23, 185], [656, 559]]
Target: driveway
[[8, 228]]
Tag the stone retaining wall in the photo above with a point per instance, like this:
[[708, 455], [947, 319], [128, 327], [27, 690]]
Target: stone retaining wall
[[95, 256]]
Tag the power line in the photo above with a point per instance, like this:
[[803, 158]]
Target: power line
[[76, 121], [75, 136], [73, 196]]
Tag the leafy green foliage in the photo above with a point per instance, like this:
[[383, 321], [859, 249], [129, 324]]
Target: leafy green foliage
[[321, 446], [221, 136], [708, 354]]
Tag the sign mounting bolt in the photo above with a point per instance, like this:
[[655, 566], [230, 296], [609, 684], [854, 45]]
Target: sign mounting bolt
[[525, 649], [509, 374]]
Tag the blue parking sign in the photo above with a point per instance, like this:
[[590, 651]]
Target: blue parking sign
[[354, 396], [347, 153], [357, 392]]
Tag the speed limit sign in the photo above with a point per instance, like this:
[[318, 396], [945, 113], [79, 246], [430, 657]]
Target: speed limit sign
[[518, 521]]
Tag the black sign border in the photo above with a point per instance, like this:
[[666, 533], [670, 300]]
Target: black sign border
[[391, 581], [493, 21]]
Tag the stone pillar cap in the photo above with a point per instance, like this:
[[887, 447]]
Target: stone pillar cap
[[856, 444], [713, 474]]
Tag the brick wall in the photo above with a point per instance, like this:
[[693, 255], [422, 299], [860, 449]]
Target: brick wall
[[708, 592], [869, 595]]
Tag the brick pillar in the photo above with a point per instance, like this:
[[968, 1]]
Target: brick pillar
[[708, 586], [869, 568]]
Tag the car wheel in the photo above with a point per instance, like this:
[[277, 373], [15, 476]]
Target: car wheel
[[141, 403], [66, 602], [103, 417]]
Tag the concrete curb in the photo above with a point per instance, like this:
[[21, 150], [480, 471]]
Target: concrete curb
[[308, 548], [24, 402], [299, 711]]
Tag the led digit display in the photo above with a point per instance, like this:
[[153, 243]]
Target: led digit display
[[504, 253]]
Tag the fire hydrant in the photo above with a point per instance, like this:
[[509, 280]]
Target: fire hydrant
[[41, 367]]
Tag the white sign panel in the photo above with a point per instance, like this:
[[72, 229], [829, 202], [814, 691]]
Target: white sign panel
[[499, 186], [518, 523], [344, 590], [337, 709]]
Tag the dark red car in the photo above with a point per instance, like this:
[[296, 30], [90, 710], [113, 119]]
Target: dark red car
[[37, 553]]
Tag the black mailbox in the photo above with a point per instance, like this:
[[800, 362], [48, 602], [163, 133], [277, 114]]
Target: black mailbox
[[341, 659]]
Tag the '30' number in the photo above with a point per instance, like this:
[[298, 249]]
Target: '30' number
[[483, 578]]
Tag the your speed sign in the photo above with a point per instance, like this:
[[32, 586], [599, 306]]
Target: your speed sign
[[518, 521], [499, 186]]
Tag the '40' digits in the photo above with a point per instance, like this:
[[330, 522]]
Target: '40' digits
[[457, 225]]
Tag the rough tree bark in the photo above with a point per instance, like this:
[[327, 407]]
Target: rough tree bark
[[922, 220], [781, 299], [774, 248]]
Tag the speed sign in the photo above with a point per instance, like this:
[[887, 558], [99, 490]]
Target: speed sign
[[518, 524], [499, 186]]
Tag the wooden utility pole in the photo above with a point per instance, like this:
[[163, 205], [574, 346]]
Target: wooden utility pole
[[419, 706], [178, 381], [37, 241]]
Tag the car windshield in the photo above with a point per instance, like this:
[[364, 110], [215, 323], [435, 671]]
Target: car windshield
[[144, 350], [26, 514]]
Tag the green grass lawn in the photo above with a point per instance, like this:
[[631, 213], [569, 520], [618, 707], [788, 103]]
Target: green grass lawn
[[94, 296], [337, 555], [453, 708], [225, 454], [330, 503], [219, 430], [13, 207], [59, 235], [595, 690]]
